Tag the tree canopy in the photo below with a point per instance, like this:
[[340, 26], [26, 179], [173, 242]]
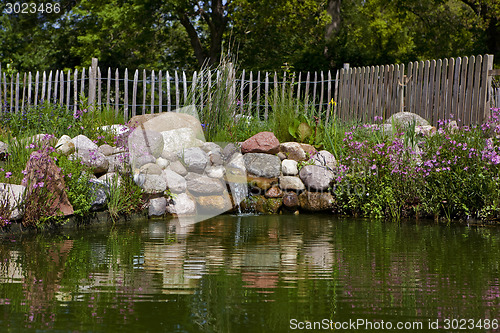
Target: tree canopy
[[263, 34]]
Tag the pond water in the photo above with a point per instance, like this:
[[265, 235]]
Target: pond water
[[252, 274]]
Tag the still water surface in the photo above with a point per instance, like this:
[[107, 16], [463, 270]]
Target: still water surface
[[248, 274]]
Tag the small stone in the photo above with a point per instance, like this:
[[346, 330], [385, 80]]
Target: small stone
[[182, 205], [81, 142], [325, 158], [152, 183], [291, 183], [162, 162], [150, 169], [289, 167], [293, 151], [291, 200], [316, 201], [178, 167], [175, 182], [274, 192], [215, 172], [216, 159], [316, 178], [263, 165], [169, 156], [195, 159], [263, 142], [106, 149], [157, 206]]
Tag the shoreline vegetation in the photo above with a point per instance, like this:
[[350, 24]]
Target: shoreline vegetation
[[91, 161]]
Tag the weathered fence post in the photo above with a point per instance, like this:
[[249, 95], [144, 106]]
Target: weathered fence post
[[92, 84]]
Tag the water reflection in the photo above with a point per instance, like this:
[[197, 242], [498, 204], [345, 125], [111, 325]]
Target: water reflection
[[247, 273]]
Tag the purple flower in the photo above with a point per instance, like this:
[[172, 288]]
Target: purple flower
[[8, 174]]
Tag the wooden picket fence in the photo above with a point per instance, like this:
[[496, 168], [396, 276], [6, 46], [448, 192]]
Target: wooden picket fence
[[434, 89]]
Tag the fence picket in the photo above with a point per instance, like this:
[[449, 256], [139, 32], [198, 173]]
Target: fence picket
[[169, 103], [49, 87], [108, 90], [17, 92], [476, 88], [184, 85], [467, 97], [250, 94], [117, 91], [144, 89], [82, 84], [456, 87], [461, 96], [75, 90], [152, 92], [484, 107], [56, 86], [177, 92], [160, 92], [125, 95], [99, 87], [61, 88], [68, 90], [266, 104]]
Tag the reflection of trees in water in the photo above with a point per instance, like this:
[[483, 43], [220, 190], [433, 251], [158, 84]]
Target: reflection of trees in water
[[253, 269]]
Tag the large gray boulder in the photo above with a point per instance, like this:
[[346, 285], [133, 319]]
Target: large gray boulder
[[142, 141], [182, 118], [404, 119], [195, 159], [263, 165], [182, 138], [316, 178], [81, 142]]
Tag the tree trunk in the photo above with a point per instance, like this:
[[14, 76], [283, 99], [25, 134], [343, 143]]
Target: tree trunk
[[193, 37], [332, 28]]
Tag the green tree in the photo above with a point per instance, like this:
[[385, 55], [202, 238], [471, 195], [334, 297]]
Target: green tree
[[268, 33]]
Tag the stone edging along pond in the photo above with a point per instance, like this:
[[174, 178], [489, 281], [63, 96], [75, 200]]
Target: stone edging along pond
[[179, 173], [182, 176]]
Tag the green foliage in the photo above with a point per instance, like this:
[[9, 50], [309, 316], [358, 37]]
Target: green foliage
[[305, 130], [78, 187], [124, 197]]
